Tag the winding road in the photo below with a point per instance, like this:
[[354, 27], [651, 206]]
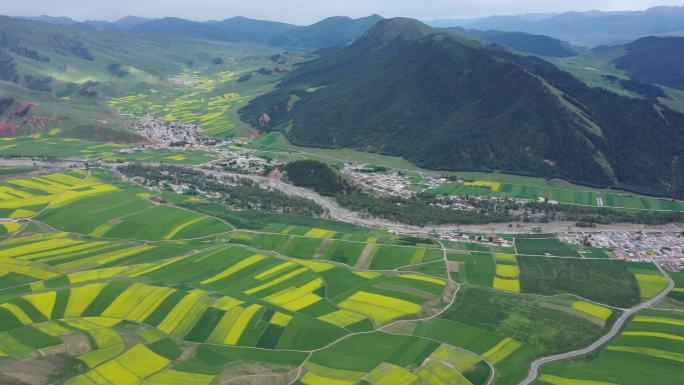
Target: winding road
[[614, 331]]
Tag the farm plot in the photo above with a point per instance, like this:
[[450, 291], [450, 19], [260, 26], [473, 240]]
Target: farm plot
[[650, 350], [650, 280], [573, 195], [677, 293]]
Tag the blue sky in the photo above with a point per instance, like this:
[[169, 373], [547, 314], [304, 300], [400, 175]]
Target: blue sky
[[307, 11]]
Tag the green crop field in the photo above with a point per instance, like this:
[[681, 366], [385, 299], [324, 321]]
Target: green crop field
[[142, 293], [534, 188]]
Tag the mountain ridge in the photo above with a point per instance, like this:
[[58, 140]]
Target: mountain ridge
[[461, 106]]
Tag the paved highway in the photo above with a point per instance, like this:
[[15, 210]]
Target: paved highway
[[614, 331]]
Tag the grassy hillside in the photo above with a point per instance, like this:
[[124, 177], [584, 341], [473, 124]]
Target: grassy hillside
[[63, 76]]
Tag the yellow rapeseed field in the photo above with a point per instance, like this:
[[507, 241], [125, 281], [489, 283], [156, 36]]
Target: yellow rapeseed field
[[511, 285], [592, 309], [320, 233]]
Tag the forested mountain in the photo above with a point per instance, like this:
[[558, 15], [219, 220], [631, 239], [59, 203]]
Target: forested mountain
[[657, 60], [584, 28], [445, 103], [525, 42]]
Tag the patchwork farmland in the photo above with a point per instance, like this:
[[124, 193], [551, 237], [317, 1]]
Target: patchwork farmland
[[118, 289]]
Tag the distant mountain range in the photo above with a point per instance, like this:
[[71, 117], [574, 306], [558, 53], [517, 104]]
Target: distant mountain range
[[444, 102], [330, 32], [584, 28]]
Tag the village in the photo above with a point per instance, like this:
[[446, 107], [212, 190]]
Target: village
[[665, 249]]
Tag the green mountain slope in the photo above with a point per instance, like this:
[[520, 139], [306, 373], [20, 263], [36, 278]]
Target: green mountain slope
[[656, 60], [405, 89], [525, 42]]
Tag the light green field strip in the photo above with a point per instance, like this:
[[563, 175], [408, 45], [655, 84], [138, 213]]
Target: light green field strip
[[36, 247], [388, 374], [342, 318], [457, 358], [272, 271], [150, 267], [107, 257], [185, 313], [379, 308], [224, 303], [93, 275], [437, 373], [333, 373], [182, 227], [276, 281], [650, 285], [503, 349], [11, 266], [315, 379], [65, 250], [649, 352], [176, 377], [235, 268], [668, 336], [555, 380], [423, 278], [660, 320]]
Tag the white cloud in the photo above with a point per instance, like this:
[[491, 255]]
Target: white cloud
[[307, 11]]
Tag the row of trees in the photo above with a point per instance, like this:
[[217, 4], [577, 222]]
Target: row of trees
[[240, 193]]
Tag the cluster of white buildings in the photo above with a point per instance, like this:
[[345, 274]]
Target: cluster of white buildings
[[391, 183], [243, 162], [663, 248], [172, 134]]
